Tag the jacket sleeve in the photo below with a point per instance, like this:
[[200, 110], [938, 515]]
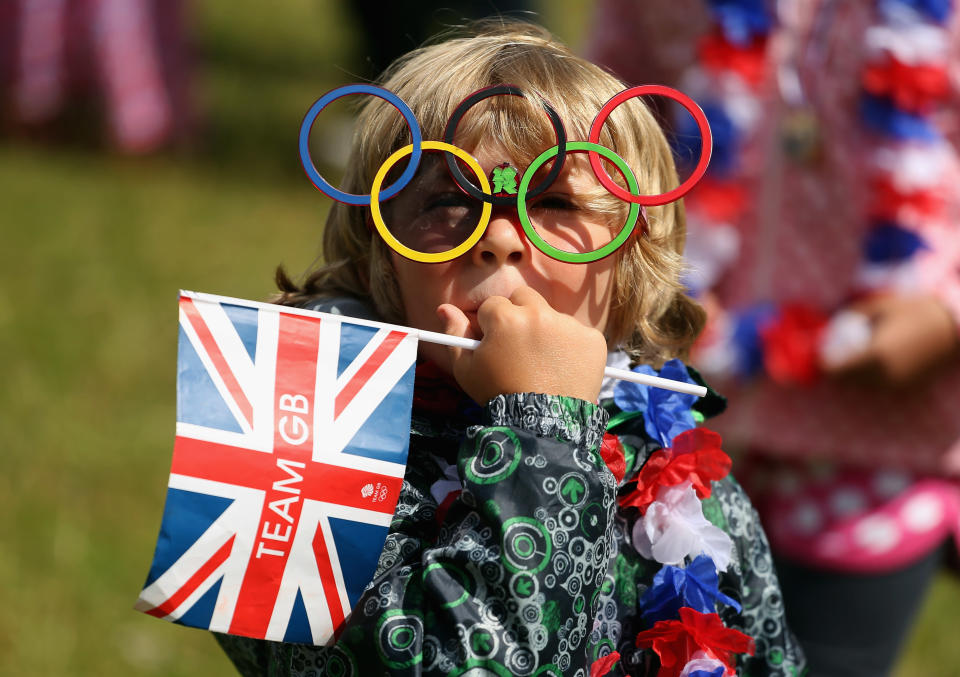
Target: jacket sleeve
[[752, 579], [507, 581]]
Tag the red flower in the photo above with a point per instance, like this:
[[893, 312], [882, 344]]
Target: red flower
[[791, 344], [720, 201], [611, 450], [602, 666], [888, 201], [913, 88], [695, 456], [717, 54], [676, 641]]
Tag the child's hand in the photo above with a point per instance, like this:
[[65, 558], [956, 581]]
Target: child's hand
[[527, 346]]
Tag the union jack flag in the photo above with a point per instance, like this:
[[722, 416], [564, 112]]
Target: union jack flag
[[292, 437]]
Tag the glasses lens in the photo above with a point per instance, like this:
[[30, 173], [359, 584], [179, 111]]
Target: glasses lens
[[431, 215], [574, 215]]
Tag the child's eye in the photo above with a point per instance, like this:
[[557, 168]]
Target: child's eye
[[449, 199], [556, 202]]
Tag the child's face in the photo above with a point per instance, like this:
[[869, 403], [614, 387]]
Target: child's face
[[503, 259]]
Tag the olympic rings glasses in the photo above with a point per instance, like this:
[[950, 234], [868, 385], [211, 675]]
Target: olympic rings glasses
[[456, 221]]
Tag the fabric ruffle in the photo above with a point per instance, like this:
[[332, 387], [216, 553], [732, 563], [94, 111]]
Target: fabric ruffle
[[566, 418]]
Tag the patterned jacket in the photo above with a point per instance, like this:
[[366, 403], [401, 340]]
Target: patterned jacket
[[526, 567]]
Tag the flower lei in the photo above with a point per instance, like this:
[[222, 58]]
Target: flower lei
[[687, 632], [904, 78]]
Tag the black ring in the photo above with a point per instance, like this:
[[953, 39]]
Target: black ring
[[465, 183]]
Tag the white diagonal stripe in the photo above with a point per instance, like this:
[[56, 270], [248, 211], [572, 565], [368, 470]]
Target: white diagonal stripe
[[239, 520], [212, 371], [369, 397]]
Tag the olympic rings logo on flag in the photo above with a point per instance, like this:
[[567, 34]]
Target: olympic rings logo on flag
[[483, 193]]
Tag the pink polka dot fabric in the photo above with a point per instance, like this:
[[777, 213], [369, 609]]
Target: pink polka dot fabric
[[853, 520]]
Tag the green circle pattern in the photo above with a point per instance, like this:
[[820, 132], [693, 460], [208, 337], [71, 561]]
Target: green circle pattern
[[523, 532], [599, 646], [590, 517], [401, 638], [453, 572], [392, 626], [485, 468], [341, 663]]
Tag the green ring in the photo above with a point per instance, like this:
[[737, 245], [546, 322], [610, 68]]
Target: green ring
[[574, 257], [505, 527], [450, 569], [603, 643], [550, 669], [386, 661], [394, 643], [479, 447], [531, 546]]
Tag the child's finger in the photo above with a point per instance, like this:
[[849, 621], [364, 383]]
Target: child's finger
[[874, 307], [455, 323], [527, 296], [489, 309]]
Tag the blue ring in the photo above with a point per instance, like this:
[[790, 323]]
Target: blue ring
[[307, 162]]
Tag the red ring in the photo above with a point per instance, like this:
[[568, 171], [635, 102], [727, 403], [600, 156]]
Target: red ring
[[706, 145]]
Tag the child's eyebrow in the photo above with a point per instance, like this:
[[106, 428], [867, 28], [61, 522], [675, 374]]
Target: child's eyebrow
[[433, 172]]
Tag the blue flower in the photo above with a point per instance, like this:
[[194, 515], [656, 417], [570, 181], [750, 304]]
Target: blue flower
[[882, 116], [741, 20], [687, 143], [746, 337], [888, 242], [938, 10], [716, 672], [695, 586], [666, 413]]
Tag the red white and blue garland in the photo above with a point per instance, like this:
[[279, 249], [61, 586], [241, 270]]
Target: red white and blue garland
[[902, 83], [680, 606]]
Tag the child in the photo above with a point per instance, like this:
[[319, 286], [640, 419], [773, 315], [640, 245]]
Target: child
[[514, 550]]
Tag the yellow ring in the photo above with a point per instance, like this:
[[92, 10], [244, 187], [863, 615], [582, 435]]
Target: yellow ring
[[413, 254]]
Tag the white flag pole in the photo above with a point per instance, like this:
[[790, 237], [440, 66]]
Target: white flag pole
[[612, 372], [448, 340]]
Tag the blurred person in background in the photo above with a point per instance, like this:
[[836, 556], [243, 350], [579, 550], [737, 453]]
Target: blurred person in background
[[388, 30], [391, 29], [128, 59], [825, 240]]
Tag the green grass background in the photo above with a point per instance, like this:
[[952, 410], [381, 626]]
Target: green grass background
[[94, 248]]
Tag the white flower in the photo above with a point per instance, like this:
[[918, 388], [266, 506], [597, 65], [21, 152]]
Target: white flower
[[911, 42], [912, 166], [847, 335], [710, 250], [704, 662], [674, 528]]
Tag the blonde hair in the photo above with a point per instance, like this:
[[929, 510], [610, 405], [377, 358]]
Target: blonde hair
[[650, 316]]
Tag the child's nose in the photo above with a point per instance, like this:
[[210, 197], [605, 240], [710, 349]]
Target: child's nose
[[503, 241]]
